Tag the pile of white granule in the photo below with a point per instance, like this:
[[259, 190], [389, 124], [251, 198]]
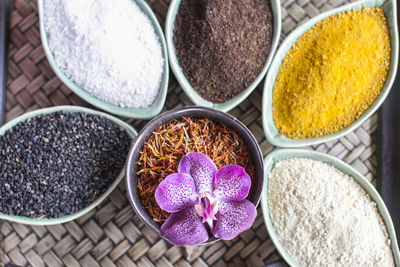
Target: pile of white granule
[[324, 218], [107, 47]]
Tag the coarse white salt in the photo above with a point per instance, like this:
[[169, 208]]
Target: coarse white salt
[[107, 47], [324, 218]]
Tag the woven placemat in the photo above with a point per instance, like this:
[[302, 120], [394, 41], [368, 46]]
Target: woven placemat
[[112, 235]]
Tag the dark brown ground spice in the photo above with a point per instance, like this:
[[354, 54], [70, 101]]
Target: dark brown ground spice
[[222, 45], [164, 149]]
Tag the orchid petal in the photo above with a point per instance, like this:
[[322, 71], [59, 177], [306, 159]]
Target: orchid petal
[[176, 192], [232, 183], [234, 217], [184, 228], [201, 168]]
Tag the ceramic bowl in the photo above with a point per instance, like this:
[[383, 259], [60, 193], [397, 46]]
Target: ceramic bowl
[[188, 89], [193, 112], [75, 109], [138, 113], [271, 132], [284, 154]]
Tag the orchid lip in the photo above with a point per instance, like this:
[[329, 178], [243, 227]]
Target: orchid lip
[[207, 207]]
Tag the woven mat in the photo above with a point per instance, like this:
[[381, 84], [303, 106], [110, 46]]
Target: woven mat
[[112, 235]]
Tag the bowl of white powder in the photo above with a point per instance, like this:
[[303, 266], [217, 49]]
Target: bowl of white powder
[[110, 53], [319, 211]]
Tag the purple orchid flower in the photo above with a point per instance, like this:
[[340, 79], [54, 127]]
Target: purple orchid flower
[[200, 194]]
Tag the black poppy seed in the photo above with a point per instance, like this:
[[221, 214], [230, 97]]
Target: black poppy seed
[[56, 164]]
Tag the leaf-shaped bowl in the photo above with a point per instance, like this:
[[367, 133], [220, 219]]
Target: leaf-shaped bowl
[[271, 132], [75, 109], [184, 83], [192, 112], [284, 154], [138, 113]]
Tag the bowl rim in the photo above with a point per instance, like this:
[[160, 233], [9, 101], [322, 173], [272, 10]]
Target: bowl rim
[[270, 130], [283, 154], [183, 82], [138, 113], [189, 111], [74, 109]]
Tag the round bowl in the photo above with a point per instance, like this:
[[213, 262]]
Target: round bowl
[[194, 112], [75, 109], [188, 89], [138, 113], [271, 132], [283, 154]]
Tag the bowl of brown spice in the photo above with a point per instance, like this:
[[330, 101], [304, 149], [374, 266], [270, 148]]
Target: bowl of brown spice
[[220, 51], [331, 74], [193, 173]]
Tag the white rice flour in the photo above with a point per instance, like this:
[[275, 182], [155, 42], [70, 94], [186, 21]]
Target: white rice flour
[[107, 47], [324, 218]]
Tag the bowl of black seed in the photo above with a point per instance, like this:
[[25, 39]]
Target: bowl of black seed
[[57, 164], [220, 51]]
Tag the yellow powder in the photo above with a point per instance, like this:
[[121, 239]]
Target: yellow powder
[[332, 74]]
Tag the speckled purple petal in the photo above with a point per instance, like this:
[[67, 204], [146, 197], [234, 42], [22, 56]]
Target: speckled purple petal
[[176, 192], [184, 228], [234, 217], [201, 168], [231, 183]]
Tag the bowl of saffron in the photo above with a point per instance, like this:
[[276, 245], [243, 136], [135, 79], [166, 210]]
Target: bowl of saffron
[[196, 170]]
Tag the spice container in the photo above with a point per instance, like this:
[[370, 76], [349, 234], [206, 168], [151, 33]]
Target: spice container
[[52, 140], [287, 154], [196, 114], [272, 133], [117, 57], [183, 80]]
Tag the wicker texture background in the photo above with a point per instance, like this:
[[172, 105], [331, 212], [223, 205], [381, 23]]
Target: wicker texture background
[[112, 235]]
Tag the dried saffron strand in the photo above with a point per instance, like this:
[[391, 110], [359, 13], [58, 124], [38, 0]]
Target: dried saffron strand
[[164, 149]]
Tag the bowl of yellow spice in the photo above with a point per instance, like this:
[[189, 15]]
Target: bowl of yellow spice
[[331, 74]]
